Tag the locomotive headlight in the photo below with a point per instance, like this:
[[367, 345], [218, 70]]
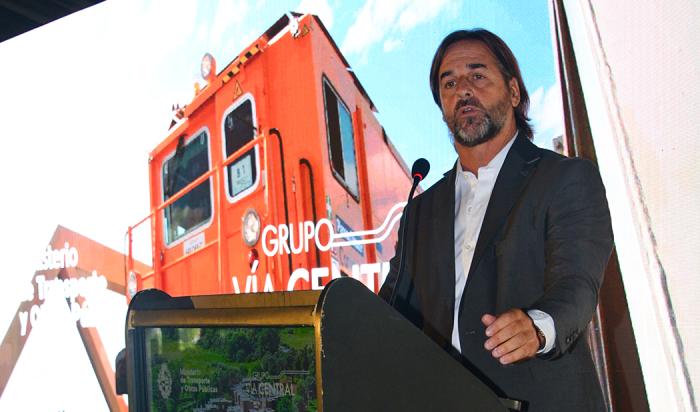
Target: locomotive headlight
[[132, 284], [251, 227], [208, 67]]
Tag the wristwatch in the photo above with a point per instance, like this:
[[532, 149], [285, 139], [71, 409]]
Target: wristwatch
[[540, 337]]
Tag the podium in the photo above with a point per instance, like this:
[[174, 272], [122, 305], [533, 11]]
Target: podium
[[343, 349]]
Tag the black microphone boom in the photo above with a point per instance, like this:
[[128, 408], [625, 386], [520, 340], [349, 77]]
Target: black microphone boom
[[419, 171]]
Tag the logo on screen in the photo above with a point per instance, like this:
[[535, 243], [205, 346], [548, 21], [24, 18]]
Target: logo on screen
[[165, 381]]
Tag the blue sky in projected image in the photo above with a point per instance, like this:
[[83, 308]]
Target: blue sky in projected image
[[390, 45]]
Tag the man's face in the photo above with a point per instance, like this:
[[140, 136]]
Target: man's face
[[476, 100]]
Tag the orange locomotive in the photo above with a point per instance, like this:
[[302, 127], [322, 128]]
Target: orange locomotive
[[263, 183]]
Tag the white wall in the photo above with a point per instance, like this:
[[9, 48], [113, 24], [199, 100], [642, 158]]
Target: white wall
[[640, 70]]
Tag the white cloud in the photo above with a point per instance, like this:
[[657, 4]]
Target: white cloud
[[202, 32], [379, 19], [229, 14], [319, 8], [157, 28], [235, 44], [536, 100], [417, 12], [546, 111], [391, 44], [371, 24]]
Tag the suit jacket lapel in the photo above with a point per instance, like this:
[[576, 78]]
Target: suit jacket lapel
[[512, 178], [444, 237]]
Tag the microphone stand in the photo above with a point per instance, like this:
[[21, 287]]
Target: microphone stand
[[402, 253]]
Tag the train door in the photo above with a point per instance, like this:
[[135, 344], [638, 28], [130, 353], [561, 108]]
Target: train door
[[242, 184]]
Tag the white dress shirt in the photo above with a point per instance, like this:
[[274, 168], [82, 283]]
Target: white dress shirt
[[472, 196]]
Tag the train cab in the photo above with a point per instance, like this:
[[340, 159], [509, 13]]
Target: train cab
[[276, 176]]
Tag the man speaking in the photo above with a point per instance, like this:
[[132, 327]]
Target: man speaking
[[506, 253]]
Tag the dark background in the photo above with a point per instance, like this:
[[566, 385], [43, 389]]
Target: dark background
[[17, 17]]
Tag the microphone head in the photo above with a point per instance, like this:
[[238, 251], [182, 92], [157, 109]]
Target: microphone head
[[420, 169]]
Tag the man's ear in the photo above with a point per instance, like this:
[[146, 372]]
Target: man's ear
[[514, 92]]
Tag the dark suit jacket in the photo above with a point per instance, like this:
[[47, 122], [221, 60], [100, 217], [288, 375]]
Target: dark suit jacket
[[544, 244]]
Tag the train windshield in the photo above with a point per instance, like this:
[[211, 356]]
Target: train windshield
[[194, 208]]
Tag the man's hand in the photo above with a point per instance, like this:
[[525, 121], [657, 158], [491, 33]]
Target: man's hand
[[512, 336]]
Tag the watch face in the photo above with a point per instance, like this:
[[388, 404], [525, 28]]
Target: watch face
[[541, 338]]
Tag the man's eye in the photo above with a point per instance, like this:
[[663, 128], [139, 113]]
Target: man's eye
[[449, 84], [478, 76]]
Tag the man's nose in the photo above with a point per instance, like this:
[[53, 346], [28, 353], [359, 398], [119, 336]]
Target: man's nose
[[464, 88]]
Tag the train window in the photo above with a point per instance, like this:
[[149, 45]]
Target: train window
[[341, 140], [239, 129], [194, 208]]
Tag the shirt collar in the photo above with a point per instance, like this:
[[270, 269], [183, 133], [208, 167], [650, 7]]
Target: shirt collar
[[494, 165]]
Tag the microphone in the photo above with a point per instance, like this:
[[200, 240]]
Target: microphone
[[419, 171]]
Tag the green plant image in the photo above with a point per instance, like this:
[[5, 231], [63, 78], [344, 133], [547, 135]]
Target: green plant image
[[231, 369]]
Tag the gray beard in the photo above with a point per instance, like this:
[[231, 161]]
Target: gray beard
[[491, 124], [487, 130]]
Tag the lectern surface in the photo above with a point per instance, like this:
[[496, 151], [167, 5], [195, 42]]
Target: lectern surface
[[375, 360]]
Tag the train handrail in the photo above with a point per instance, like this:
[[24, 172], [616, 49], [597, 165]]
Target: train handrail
[[216, 171]]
